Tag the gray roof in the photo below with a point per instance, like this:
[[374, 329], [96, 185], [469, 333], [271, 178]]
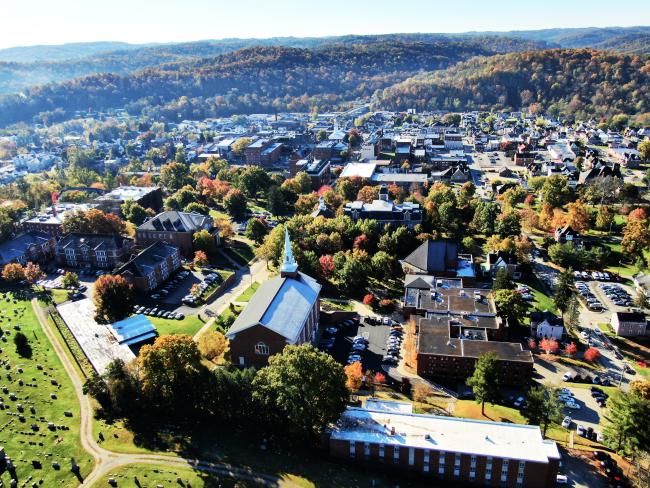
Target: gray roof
[[18, 246], [280, 304], [433, 256], [175, 221]]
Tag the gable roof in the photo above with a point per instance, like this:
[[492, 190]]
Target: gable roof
[[432, 256], [280, 304], [175, 221]]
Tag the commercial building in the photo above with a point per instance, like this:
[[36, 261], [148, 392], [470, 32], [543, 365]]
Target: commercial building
[[445, 450], [284, 310], [147, 196], [385, 211]]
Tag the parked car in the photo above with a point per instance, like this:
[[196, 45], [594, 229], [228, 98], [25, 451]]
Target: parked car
[[562, 479], [566, 423]]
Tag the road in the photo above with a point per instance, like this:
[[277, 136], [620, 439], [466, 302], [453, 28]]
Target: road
[[244, 277], [105, 460]]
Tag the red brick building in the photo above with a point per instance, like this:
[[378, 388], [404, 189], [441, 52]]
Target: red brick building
[[444, 450], [284, 310], [176, 229], [151, 267]]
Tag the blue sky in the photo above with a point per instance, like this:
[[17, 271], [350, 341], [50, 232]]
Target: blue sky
[[28, 22]]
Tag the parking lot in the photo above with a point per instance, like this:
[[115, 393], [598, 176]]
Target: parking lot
[[376, 345]]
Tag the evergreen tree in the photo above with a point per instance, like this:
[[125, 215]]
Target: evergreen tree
[[484, 382]]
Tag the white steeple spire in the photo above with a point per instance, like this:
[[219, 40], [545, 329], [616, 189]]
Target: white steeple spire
[[289, 264]]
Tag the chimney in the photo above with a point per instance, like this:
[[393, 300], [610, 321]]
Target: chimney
[[392, 431]]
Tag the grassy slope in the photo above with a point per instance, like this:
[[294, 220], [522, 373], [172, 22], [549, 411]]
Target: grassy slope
[[58, 446], [248, 292], [189, 325]]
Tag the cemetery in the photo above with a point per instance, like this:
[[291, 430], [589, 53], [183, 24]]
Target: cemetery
[[39, 413]]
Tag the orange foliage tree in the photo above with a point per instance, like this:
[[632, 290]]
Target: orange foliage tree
[[354, 375]]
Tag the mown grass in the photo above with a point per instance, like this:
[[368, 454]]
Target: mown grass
[[189, 325], [247, 294], [38, 366]]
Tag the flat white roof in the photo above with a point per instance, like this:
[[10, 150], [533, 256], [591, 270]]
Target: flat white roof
[[97, 340], [363, 170], [449, 434]]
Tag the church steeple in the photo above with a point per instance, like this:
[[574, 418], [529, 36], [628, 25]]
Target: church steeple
[[289, 266]]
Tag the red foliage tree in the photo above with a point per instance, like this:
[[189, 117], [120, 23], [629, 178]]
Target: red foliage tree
[[532, 345], [571, 349], [379, 378], [592, 354], [326, 265], [550, 346], [369, 299], [529, 200], [637, 214], [360, 242], [113, 297], [323, 190]]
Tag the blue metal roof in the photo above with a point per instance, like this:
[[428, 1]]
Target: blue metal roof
[[134, 330]]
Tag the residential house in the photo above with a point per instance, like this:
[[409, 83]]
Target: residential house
[[502, 259], [567, 234], [283, 310], [176, 229], [630, 324], [547, 325], [151, 267], [105, 251]]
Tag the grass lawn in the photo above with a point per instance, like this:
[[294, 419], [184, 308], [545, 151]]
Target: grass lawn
[[219, 214], [327, 304], [59, 296], [541, 301], [151, 475], [497, 413], [20, 441], [241, 252], [189, 325], [248, 293]]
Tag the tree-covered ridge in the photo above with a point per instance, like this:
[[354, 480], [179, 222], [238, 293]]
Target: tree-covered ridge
[[247, 80], [581, 83], [16, 76]]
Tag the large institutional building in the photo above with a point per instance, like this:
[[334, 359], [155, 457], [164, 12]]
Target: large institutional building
[[284, 310], [447, 450]]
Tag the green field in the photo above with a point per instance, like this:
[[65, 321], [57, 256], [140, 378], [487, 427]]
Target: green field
[[241, 254], [39, 367], [151, 476], [248, 292], [189, 325]]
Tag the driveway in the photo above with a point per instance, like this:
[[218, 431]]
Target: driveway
[[577, 465]]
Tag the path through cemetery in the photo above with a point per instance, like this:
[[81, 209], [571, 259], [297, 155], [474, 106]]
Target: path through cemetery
[[105, 460]]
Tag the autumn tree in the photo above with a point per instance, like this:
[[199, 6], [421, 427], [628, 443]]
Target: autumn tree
[[555, 191], [213, 345], [592, 354], [604, 218], [174, 176], [235, 202], [256, 230], [13, 272], [169, 368], [240, 144], [113, 298], [571, 349], [326, 265], [92, 221], [306, 203], [549, 345], [354, 375], [422, 391], [33, 272], [636, 238], [368, 194], [577, 216], [200, 259], [70, 280], [204, 241]]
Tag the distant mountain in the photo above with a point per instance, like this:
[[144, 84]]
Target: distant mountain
[[577, 82], [60, 52], [251, 79], [15, 77]]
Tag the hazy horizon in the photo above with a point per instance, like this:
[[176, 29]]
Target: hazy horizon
[[39, 22]]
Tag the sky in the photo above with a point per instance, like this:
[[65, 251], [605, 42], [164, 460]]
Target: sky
[[30, 22]]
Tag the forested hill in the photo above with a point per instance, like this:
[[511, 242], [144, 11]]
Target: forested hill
[[16, 76], [581, 82], [248, 80]]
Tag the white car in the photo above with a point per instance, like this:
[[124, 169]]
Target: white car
[[573, 406], [566, 423], [562, 479]]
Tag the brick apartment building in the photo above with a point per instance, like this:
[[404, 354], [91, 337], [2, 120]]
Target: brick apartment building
[[33, 246], [176, 229], [444, 450], [151, 267], [263, 152], [51, 220], [92, 250]]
